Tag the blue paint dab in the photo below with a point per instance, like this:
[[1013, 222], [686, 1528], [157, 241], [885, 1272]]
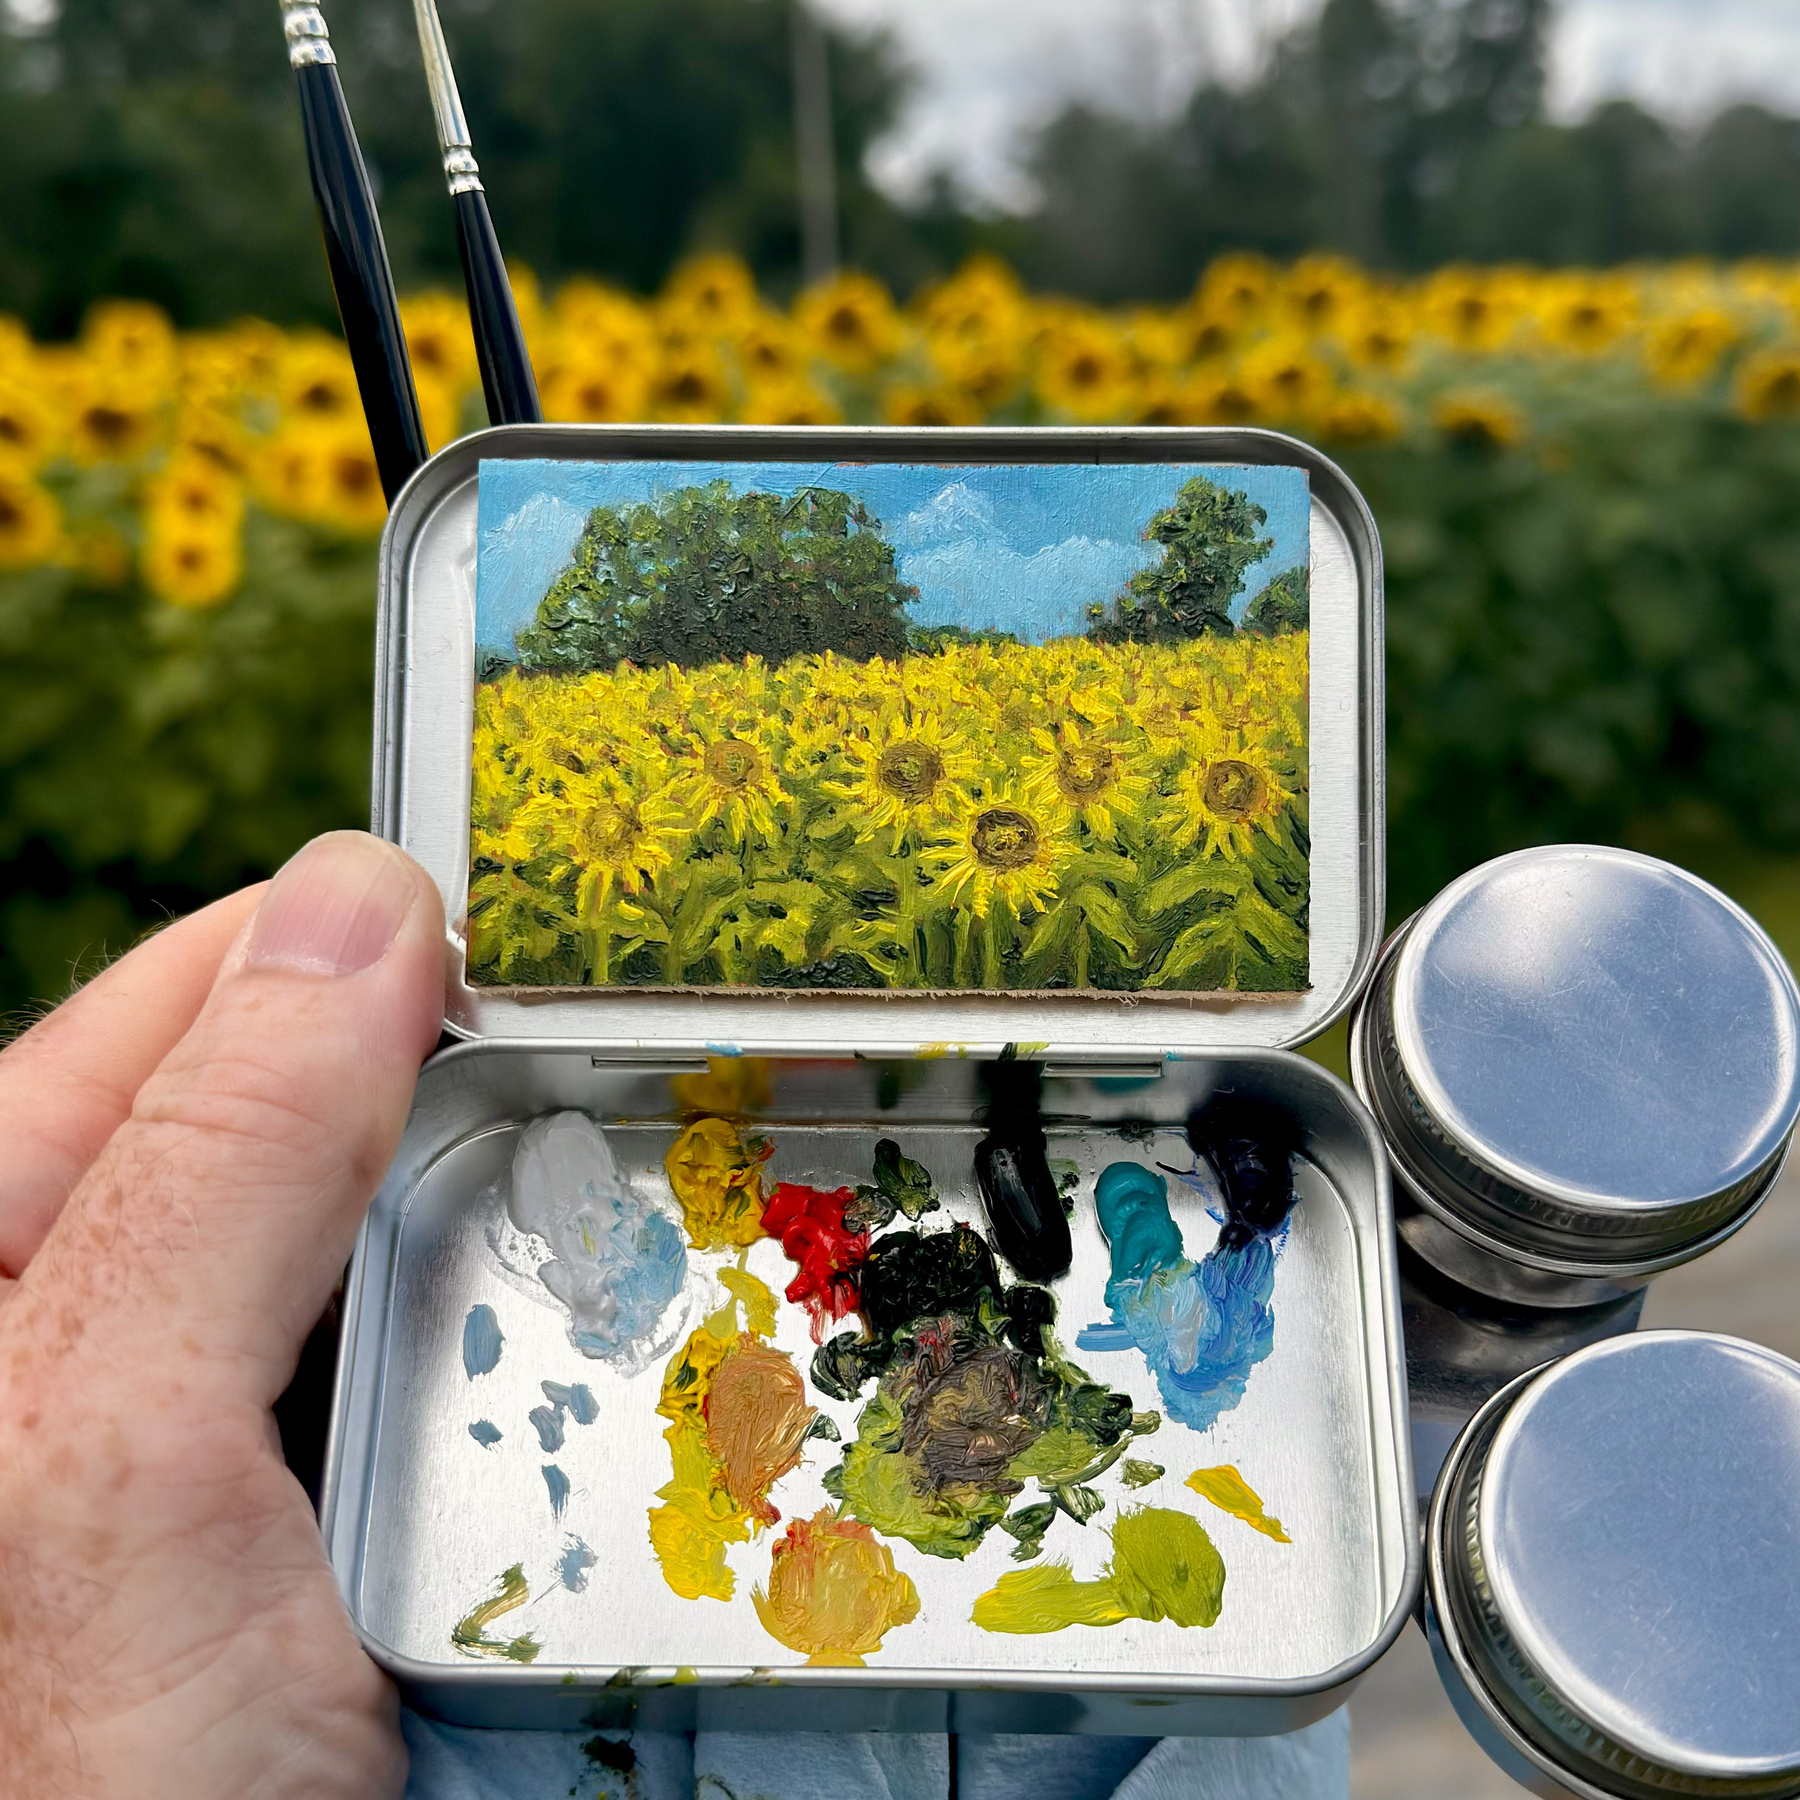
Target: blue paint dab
[[558, 1484], [1202, 1327], [549, 1428], [578, 1401], [572, 1566], [482, 1341], [485, 1432]]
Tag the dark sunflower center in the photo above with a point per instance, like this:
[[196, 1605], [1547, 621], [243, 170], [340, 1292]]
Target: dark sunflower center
[[107, 424], [611, 833], [1087, 772], [1233, 790], [732, 763], [1004, 840], [909, 771]]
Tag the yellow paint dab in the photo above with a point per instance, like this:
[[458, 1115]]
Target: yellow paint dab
[[1229, 1491], [756, 1296], [834, 1591]]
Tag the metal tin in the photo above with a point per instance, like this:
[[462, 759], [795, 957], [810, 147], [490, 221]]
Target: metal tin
[[425, 676], [1613, 1572], [1586, 1064], [419, 1519], [415, 1512]]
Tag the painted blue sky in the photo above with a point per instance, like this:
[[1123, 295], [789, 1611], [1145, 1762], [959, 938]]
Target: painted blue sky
[[1024, 548]]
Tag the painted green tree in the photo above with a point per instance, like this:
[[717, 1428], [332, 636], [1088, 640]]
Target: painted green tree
[[704, 575], [1285, 604], [1209, 535]]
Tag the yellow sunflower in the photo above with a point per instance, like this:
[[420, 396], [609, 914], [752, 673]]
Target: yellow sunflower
[[850, 320], [728, 774], [1227, 789], [1089, 772], [30, 523], [616, 838], [192, 566], [1010, 845], [903, 775]]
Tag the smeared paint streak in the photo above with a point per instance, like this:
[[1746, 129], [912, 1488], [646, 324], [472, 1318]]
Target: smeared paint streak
[[1140, 1474], [700, 1518], [549, 1425], [810, 1223], [1201, 1327], [834, 1591], [485, 1432], [558, 1484], [732, 1086], [1229, 1491], [469, 1634], [716, 1174], [482, 1342], [578, 1401], [753, 1295], [756, 1422], [973, 1399], [1164, 1566], [572, 1566], [618, 1260]]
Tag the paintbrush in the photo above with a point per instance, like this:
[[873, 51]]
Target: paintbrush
[[507, 382], [360, 276]]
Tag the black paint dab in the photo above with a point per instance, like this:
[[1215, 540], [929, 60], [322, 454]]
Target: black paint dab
[[1012, 1168], [1249, 1143]]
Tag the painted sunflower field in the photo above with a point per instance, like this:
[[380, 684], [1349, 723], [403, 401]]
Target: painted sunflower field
[[1585, 483], [1074, 814]]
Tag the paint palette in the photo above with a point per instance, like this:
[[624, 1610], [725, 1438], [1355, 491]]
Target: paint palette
[[682, 1381], [462, 1466]]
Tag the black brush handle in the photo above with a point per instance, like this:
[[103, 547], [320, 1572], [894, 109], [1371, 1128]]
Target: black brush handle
[[356, 254], [507, 383]]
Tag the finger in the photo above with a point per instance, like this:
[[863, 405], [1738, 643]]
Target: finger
[[216, 1219], [67, 1084]]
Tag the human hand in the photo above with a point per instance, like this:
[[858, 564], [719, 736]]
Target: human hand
[[189, 1146]]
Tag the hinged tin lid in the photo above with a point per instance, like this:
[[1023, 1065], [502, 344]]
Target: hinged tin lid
[[887, 742]]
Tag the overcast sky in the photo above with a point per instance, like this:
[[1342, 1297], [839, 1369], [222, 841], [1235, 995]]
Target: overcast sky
[[990, 69]]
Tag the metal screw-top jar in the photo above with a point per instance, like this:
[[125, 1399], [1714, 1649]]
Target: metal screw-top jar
[[1613, 1572], [1586, 1065]]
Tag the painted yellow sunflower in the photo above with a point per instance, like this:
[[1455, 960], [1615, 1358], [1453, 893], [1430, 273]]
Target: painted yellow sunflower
[[1010, 845], [728, 773], [1094, 773], [902, 775], [617, 839], [1227, 789]]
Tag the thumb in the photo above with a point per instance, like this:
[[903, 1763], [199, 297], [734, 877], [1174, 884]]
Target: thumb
[[220, 1213]]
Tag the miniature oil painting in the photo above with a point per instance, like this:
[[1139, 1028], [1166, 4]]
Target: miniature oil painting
[[891, 725]]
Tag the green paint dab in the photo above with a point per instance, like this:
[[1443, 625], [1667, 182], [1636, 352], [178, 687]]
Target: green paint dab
[[1164, 1566], [470, 1635]]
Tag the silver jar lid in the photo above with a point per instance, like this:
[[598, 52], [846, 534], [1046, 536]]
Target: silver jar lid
[[1584, 1055], [1614, 1567]]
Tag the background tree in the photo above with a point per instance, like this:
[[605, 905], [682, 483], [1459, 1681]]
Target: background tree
[[705, 575], [1209, 538]]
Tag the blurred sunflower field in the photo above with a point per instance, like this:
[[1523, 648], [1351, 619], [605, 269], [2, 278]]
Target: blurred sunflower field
[[1588, 488]]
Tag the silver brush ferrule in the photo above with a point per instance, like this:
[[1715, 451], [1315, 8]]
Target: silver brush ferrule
[[308, 37], [461, 174]]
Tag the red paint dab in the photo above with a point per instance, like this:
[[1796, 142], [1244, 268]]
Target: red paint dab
[[810, 1224]]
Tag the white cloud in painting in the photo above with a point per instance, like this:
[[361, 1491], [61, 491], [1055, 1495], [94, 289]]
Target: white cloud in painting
[[1036, 595]]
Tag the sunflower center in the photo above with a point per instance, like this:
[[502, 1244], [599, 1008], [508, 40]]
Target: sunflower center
[[1086, 772], [732, 763], [107, 424], [909, 771], [1233, 790], [609, 834], [1005, 840]]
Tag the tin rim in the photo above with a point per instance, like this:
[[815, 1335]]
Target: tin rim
[[1517, 1701], [1533, 1226]]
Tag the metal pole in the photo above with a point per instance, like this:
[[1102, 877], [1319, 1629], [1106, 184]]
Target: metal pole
[[813, 144]]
